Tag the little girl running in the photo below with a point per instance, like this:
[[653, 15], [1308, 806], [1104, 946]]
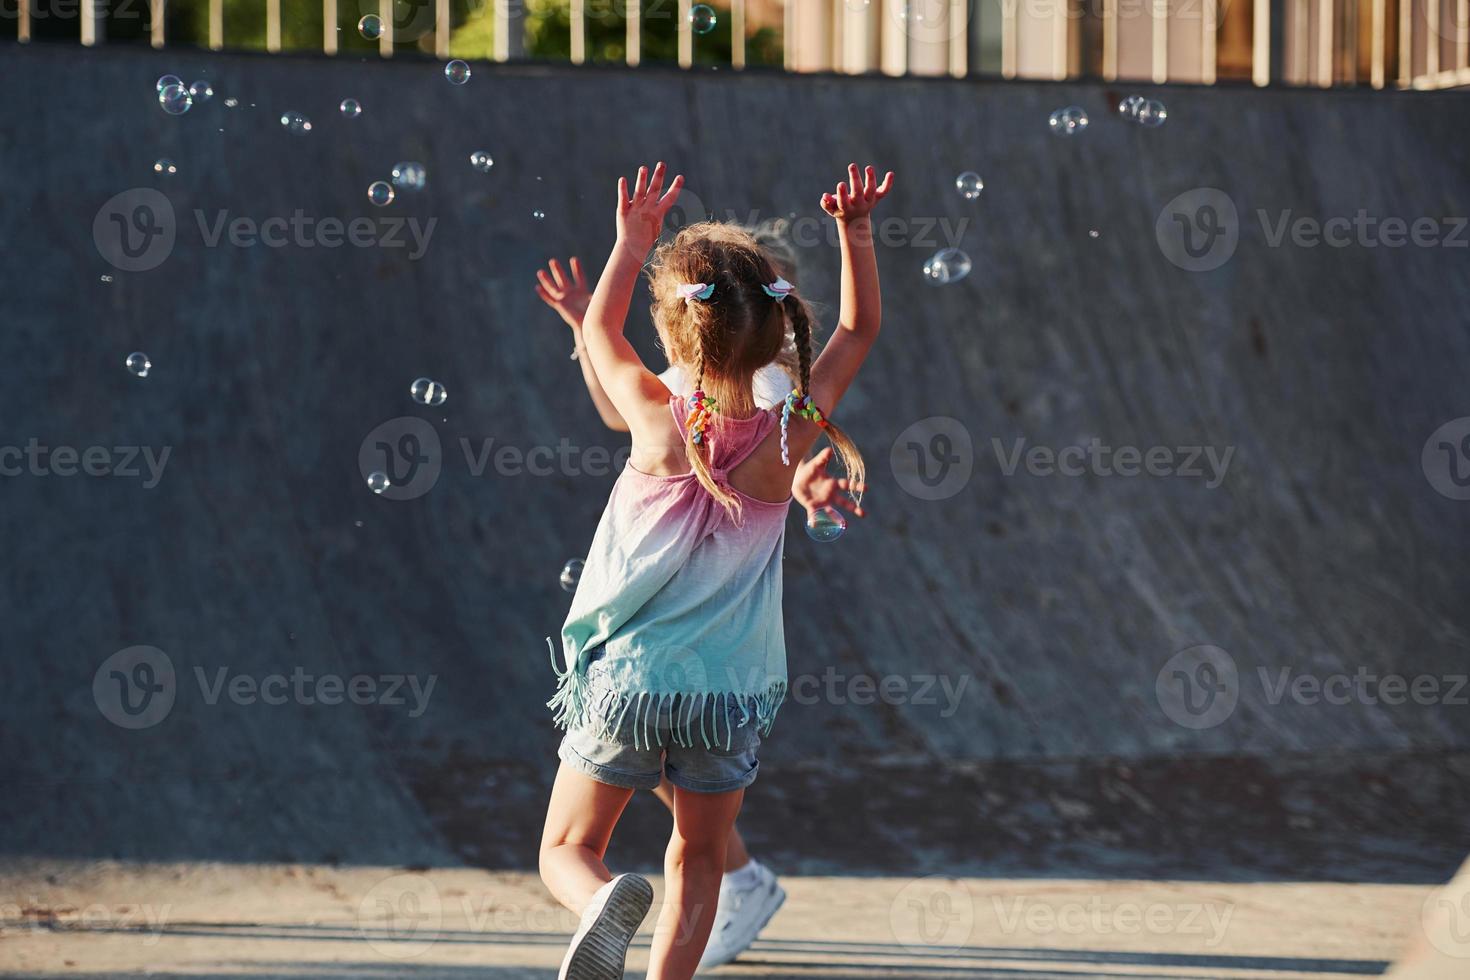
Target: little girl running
[[674, 660]]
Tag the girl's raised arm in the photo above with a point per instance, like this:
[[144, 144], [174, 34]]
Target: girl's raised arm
[[636, 392], [861, 313]]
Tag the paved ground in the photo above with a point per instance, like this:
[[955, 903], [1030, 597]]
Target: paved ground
[[300, 921]]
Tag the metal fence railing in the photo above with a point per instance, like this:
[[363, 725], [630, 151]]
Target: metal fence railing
[[1418, 44]]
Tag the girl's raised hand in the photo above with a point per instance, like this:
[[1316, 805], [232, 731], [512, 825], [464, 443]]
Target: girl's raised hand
[[815, 489], [567, 295], [858, 195], [641, 211]]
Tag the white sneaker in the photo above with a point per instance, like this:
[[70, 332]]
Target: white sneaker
[[740, 917], [600, 946]]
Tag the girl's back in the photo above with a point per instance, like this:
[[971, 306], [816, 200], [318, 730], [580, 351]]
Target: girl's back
[[680, 599]]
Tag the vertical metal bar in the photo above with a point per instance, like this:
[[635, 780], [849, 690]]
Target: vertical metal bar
[[1325, 34], [1010, 48], [1059, 41], [634, 42], [1261, 33], [737, 33], [385, 39], [1160, 11], [1209, 42], [1378, 45], [1463, 38], [888, 46], [686, 34], [94, 28], [329, 26], [1431, 49], [1110, 40], [578, 12], [273, 25], [1406, 42], [788, 38], [157, 14], [959, 38], [216, 24], [510, 30], [443, 26]]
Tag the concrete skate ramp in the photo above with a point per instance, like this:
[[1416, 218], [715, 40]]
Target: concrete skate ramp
[[1028, 615]]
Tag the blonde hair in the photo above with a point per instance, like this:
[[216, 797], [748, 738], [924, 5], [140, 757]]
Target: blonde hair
[[726, 339]]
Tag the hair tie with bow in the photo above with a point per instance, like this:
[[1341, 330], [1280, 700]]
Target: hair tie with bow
[[691, 291], [779, 289]]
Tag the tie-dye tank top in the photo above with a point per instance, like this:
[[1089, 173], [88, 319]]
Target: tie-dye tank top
[[683, 602]]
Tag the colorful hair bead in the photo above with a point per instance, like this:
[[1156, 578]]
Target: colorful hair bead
[[803, 407], [701, 410]]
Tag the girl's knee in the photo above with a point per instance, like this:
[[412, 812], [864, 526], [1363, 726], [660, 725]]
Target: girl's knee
[[699, 854]]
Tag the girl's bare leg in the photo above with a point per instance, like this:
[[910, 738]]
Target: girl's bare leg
[[736, 856], [693, 866], [579, 822]]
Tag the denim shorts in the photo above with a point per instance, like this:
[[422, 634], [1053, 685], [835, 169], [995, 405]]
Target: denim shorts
[[636, 760]]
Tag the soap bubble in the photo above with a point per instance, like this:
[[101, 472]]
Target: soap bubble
[[105, 277], [481, 161], [826, 525], [702, 18], [538, 214], [164, 81], [378, 482], [201, 91], [427, 391], [1152, 114], [231, 102], [295, 122], [380, 192], [163, 165], [946, 266], [138, 364], [370, 27], [457, 72], [1093, 233], [1068, 121], [571, 574], [969, 185], [1129, 107], [409, 176], [175, 99], [350, 108]]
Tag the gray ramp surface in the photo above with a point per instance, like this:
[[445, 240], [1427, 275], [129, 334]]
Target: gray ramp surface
[[1027, 614]]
